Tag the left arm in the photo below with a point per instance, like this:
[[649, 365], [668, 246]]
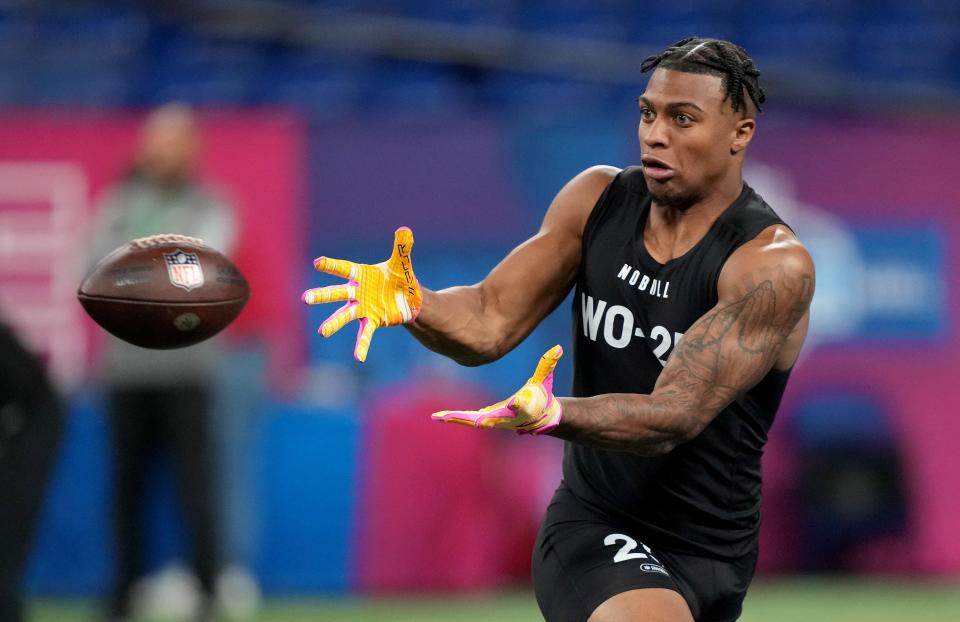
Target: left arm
[[764, 292]]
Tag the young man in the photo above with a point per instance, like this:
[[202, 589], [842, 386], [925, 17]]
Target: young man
[[691, 306], [161, 400]]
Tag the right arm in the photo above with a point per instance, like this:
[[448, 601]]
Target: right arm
[[480, 323]]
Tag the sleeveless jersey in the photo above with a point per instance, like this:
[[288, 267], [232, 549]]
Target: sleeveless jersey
[[703, 497]]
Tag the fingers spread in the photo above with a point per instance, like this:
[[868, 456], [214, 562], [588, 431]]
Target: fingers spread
[[333, 293], [337, 267], [339, 319]]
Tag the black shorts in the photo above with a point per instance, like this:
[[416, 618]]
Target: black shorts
[[583, 557]]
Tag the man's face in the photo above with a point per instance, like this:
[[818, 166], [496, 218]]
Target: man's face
[[689, 136], [169, 148]]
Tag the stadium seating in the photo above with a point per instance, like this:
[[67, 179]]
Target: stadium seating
[[100, 53]]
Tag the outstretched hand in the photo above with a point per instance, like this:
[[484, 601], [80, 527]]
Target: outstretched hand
[[531, 410], [383, 294]]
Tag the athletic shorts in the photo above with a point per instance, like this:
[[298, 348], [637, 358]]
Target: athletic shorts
[[583, 557]]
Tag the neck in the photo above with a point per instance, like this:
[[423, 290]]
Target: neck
[[671, 232]]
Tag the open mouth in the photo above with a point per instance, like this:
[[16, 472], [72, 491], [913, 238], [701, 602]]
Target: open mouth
[[656, 169]]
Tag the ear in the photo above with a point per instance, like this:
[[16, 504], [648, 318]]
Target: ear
[[742, 134]]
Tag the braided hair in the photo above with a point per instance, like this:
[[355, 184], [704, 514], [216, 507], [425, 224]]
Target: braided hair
[[726, 60]]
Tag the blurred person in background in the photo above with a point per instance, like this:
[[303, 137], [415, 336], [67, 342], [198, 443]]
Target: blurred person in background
[[690, 310], [163, 399], [31, 424]]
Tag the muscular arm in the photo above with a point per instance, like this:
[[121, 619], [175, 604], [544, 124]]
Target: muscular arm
[[764, 295], [480, 323]]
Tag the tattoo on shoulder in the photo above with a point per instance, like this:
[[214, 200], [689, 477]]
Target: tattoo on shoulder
[[731, 348]]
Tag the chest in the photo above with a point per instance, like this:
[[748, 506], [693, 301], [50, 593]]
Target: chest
[[150, 212], [627, 302]]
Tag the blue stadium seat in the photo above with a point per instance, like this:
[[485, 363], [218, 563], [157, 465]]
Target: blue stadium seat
[[917, 51], [785, 11], [91, 35], [318, 85], [86, 56], [934, 12], [660, 24], [100, 53], [549, 98], [475, 12], [201, 71], [346, 5], [17, 36], [806, 44], [68, 86], [659, 34], [403, 88], [602, 19]]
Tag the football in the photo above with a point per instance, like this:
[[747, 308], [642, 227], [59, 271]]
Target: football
[[165, 291]]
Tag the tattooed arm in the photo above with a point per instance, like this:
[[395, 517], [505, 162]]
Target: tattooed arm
[[759, 322]]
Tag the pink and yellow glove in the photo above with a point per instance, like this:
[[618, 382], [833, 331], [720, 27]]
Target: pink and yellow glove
[[531, 410], [383, 294]]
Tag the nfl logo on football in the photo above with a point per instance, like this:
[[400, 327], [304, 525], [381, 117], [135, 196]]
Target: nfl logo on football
[[184, 269]]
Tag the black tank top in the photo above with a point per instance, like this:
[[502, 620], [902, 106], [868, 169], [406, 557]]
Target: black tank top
[[629, 310]]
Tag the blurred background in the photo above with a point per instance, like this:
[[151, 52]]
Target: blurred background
[[327, 124]]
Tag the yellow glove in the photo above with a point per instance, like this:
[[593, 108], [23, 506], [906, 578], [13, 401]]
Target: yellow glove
[[383, 294], [531, 410]]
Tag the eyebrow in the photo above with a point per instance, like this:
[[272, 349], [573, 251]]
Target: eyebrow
[[672, 105]]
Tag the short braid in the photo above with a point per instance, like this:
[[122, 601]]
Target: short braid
[[717, 57]]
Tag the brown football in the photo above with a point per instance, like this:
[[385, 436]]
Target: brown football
[[165, 291]]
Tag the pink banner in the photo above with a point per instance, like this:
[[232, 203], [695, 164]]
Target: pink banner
[[845, 178]]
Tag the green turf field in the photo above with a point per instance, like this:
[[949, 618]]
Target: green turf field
[[819, 600]]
